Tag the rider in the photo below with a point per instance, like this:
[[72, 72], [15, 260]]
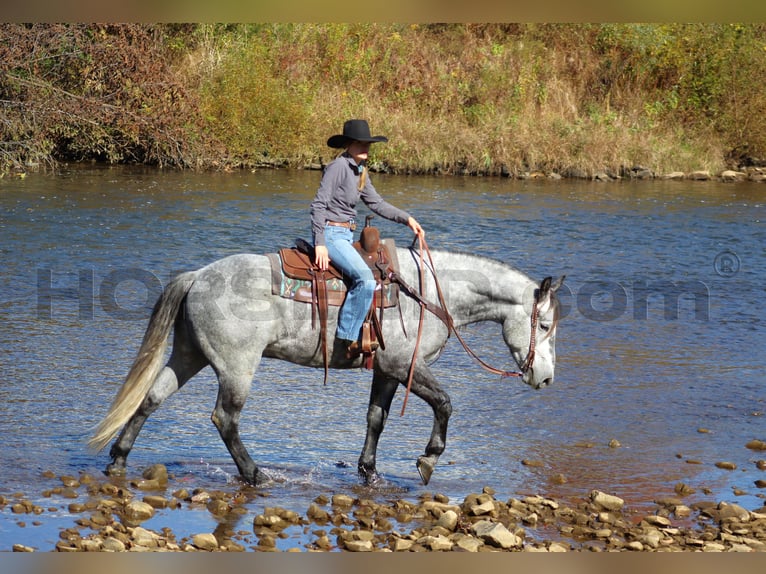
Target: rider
[[333, 213]]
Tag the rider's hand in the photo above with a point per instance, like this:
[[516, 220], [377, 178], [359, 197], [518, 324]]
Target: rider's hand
[[321, 257], [415, 226]]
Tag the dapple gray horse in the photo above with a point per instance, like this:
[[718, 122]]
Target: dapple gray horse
[[225, 315]]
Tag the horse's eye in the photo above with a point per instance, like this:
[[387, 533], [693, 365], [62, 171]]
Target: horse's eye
[[545, 327]]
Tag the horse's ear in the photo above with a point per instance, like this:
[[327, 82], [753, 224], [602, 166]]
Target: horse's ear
[[558, 283], [545, 286]]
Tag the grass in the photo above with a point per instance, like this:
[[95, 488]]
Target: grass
[[453, 98]]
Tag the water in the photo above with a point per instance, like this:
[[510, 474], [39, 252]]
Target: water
[[661, 347]]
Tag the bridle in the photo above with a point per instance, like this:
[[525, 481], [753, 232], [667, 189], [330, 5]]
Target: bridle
[[442, 313]]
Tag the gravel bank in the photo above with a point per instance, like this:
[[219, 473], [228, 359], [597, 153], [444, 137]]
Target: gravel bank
[[108, 514]]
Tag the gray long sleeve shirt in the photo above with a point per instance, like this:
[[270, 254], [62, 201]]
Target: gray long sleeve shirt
[[338, 195]]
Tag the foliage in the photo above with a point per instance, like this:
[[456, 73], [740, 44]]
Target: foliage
[[454, 98]]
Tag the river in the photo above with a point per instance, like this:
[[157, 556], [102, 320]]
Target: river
[[661, 349]]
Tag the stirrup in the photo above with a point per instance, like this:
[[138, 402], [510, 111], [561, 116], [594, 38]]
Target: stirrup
[[353, 351]]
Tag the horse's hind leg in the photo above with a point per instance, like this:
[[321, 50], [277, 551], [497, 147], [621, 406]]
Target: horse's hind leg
[[183, 364], [232, 393], [381, 395]]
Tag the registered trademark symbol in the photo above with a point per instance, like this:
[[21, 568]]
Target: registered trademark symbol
[[726, 264]]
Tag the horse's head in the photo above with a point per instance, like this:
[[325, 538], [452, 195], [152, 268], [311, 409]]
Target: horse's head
[[531, 336]]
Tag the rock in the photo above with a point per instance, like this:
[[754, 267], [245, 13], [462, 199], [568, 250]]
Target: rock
[[480, 509], [138, 511], [674, 175], [144, 538], [158, 472], [468, 543], [640, 172], [606, 501], [495, 534], [317, 514], [660, 521], [401, 544], [731, 175], [448, 520], [342, 500], [756, 445], [112, 545], [728, 512], [156, 501], [726, 465], [358, 545], [205, 541], [682, 511], [683, 489], [218, 507], [436, 543], [699, 175]]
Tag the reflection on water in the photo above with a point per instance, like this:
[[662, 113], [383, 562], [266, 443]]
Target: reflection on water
[[656, 345]]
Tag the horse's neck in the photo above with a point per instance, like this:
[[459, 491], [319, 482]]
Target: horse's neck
[[475, 288]]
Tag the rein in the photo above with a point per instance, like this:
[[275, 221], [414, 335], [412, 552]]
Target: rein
[[442, 313]]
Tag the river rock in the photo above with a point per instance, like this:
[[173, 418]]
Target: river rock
[[158, 472], [496, 534], [138, 511], [144, 538], [756, 445], [436, 543], [205, 541], [111, 544], [731, 175], [729, 512], [606, 501], [358, 545], [448, 520], [342, 500]]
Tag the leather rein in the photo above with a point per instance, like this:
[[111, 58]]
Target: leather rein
[[443, 314]]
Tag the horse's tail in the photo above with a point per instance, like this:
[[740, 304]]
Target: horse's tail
[[147, 363]]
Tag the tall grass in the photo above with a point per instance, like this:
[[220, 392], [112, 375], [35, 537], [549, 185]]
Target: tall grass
[[453, 98]]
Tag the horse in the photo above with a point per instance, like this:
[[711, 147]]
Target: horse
[[224, 315]]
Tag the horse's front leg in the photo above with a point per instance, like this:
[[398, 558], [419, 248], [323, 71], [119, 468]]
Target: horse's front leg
[[381, 395], [425, 386]]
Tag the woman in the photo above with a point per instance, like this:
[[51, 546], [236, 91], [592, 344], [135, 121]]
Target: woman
[[333, 214]]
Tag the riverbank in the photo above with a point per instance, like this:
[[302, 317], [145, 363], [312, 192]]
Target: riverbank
[[112, 515], [485, 99]]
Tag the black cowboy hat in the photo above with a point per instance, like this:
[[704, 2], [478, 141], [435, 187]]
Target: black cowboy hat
[[354, 130]]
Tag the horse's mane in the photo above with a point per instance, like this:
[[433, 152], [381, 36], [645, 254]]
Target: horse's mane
[[494, 261], [480, 258]]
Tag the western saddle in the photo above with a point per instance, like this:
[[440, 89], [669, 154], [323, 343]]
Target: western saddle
[[295, 276]]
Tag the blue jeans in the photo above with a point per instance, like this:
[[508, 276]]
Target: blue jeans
[[345, 257]]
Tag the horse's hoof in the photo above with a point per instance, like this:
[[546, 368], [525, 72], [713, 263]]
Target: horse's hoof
[[259, 478], [114, 469], [372, 479], [425, 468]]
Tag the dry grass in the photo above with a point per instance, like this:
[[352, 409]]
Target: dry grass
[[483, 99]]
